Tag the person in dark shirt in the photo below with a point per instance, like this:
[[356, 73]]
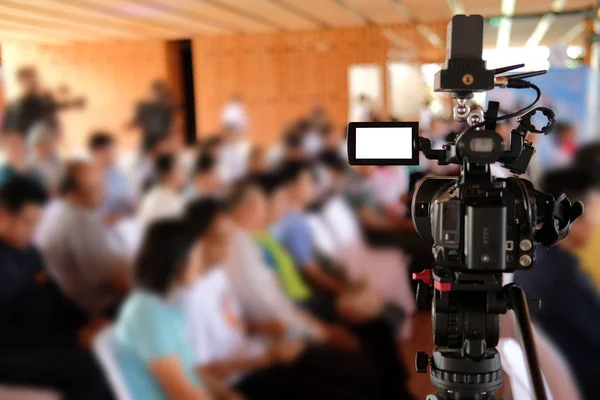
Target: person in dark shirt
[[570, 303], [34, 105], [154, 117], [40, 332]]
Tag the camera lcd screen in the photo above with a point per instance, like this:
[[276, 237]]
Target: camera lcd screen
[[383, 143]]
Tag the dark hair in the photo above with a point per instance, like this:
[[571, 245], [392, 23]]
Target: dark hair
[[332, 159], [68, 182], [560, 128], [164, 164], [100, 140], [572, 181], [212, 142], [292, 170], [239, 192], [292, 139], [269, 182], [202, 212], [205, 162], [26, 72], [165, 247], [588, 156], [18, 191]]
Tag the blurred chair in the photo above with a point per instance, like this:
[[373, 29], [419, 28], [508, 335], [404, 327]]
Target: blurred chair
[[22, 393], [384, 269], [104, 351], [557, 377]]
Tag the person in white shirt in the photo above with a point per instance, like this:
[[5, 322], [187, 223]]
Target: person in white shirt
[[234, 114], [233, 162], [164, 199], [253, 358]]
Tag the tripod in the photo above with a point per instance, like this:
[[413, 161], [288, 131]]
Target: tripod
[[465, 318]]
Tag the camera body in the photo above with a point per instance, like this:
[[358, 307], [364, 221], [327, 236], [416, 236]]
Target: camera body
[[477, 226]]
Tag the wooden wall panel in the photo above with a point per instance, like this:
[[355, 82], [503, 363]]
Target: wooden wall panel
[[112, 76], [279, 76]]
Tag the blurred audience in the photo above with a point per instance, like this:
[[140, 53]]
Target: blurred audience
[[84, 256], [165, 197], [43, 340], [154, 356], [570, 302], [249, 355]]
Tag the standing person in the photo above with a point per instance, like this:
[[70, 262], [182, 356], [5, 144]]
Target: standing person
[[84, 256], [570, 302], [43, 342], [154, 117], [234, 154], [155, 358], [33, 104], [44, 162], [119, 197], [234, 114], [165, 198]]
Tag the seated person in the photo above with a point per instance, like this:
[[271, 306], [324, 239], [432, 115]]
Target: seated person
[[164, 199], [119, 197], [15, 151], [570, 301], [84, 256], [42, 338], [262, 300], [382, 226], [260, 366], [44, 162], [293, 232], [154, 356], [206, 180]]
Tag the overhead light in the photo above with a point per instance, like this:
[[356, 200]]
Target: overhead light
[[575, 51], [508, 7], [540, 30], [558, 5], [503, 39], [430, 35], [456, 6]]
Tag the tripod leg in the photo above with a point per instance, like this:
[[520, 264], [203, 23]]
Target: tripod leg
[[518, 303]]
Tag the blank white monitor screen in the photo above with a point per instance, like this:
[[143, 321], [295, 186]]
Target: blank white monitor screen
[[384, 143]]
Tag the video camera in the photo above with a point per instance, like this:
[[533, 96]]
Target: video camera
[[480, 226]]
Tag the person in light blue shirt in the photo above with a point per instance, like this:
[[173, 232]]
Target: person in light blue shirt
[[119, 196], [151, 346]]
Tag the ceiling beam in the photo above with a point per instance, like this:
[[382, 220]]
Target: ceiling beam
[[545, 23], [404, 10], [540, 30], [44, 16], [193, 17], [301, 13], [507, 10], [359, 15], [245, 13], [424, 30], [572, 33]]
